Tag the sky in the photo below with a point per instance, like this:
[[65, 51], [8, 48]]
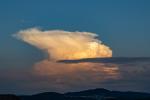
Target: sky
[[123, 25]]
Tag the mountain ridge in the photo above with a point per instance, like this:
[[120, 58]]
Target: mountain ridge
[[90, 94]]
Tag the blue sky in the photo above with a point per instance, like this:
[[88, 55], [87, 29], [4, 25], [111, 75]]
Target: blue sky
[[121, 24]]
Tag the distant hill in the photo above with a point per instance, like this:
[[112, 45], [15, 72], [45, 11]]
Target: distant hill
[[53, 96], [92, 94], [103, 94]]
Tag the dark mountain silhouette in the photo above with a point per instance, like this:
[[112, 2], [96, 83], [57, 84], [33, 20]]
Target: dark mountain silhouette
[[9, 97], [53, 96], [44, 96], [117, 95], [92, 94]]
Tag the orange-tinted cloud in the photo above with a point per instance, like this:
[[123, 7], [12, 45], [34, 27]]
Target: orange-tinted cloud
[[66, 45], [63, 77]]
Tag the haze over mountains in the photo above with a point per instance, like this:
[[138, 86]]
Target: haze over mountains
[[92, 94]]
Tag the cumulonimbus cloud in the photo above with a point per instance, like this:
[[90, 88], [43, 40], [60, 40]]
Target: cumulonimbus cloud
[[65, 45]]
